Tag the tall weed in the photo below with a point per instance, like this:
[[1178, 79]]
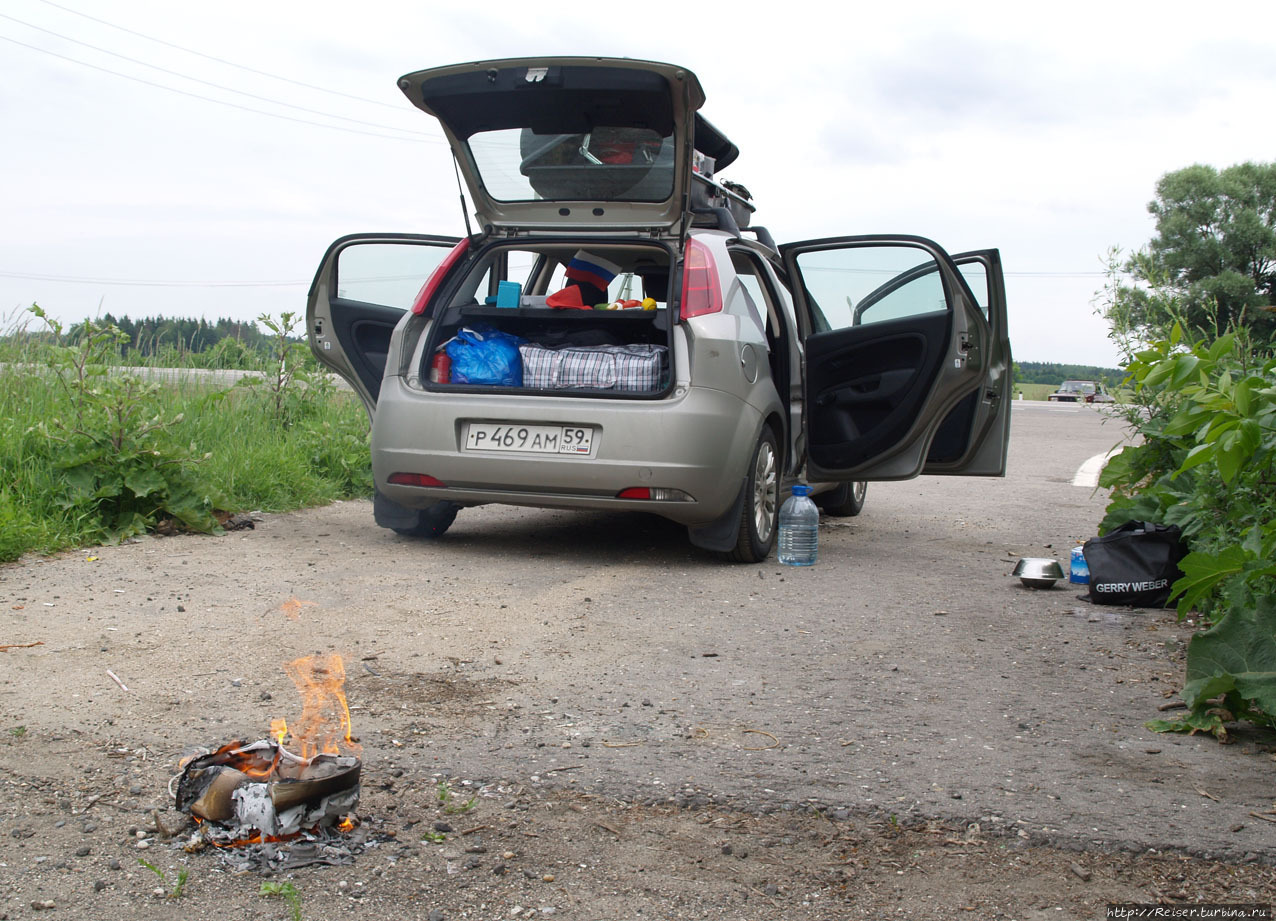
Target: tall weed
[[1207, 462], [90, 452]]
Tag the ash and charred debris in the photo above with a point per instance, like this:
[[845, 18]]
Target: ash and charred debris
[[266, 808]]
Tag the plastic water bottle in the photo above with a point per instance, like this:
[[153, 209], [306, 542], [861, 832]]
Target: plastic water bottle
[[1078, 570], [799, 529]]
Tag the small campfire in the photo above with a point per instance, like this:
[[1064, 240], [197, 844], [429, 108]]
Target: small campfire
[[271, 805]]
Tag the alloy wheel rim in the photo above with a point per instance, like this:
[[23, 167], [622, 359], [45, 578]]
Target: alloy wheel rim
[[766, 489]]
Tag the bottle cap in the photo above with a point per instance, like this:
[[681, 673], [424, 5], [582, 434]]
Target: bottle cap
[[801, 490]]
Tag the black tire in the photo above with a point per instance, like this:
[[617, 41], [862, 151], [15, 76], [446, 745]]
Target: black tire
[[846, 501], [760, 514], [432, 521]]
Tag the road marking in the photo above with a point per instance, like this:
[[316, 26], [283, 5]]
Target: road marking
[[1087, 474]]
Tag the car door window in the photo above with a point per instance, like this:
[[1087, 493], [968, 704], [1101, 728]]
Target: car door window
[[976, 275], [385, 274], [871, 284]]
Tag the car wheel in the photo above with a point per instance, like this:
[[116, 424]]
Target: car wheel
[[432, 521], [760, 514], [844, 502]]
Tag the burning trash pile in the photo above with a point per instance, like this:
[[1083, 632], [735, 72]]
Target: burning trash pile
[[266, 806]]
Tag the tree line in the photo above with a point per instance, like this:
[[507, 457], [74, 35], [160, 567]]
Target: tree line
[[1053, 372]]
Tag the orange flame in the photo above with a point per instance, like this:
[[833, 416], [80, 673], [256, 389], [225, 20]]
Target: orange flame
[[325, 716]]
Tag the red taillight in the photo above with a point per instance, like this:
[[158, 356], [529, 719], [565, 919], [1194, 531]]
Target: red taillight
[[415, 479], [436, 277], [701, 292], [654, 494]]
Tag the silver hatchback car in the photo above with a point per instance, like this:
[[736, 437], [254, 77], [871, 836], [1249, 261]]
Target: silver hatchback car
[[616, 334]]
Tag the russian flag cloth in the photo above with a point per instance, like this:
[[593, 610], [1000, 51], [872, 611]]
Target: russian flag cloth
[[591, 269]]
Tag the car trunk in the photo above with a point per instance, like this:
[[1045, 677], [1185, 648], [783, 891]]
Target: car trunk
[[494, 323]]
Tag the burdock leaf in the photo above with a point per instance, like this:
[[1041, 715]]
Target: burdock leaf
[[1240, 651]]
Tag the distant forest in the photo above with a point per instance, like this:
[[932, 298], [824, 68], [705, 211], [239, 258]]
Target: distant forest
[[234, 343], [156, 335], [1050, 372]]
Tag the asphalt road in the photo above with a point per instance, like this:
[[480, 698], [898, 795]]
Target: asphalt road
[[906, 674]]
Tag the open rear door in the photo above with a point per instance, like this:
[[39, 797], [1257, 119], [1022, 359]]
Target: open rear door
[[906, 371], [364, 286]]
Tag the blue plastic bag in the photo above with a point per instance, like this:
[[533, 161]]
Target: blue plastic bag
[[482, 354]]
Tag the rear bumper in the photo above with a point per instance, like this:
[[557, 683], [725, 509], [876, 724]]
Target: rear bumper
[[697, 441]]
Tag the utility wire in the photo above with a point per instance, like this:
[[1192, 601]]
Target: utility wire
[[221, 102], [262, 73], [218, 86], [150, 283], [153, 283]]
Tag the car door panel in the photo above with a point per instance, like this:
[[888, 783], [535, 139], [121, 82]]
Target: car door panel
[[903, 377], [364, 286], [973, 439], [864, 389]]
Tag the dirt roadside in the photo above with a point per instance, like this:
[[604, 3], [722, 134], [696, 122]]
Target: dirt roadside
[[622, 728], [86, 767]]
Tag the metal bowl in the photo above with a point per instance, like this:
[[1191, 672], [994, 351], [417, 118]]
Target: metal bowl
[[1038, 572]]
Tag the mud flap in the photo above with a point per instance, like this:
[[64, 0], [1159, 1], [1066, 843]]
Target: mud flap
[[390, 514], [720, 534]]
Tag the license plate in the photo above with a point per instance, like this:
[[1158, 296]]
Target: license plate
[[529, 439]]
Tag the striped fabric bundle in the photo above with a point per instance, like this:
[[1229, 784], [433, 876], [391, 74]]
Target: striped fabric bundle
[[628, 368]]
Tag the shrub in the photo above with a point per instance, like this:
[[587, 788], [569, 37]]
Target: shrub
[[1207, 462]]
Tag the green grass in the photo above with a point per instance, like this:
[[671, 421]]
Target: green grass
[[231, 450], [1035, 391]]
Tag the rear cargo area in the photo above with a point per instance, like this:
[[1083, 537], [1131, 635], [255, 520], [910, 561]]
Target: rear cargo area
[[554, 318]]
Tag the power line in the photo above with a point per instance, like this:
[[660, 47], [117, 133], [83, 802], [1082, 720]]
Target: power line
[[221, 102], [155, 283], [152, 283], [228, 89], [262, 73]]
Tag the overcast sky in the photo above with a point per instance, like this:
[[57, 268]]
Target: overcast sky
[[211, 181]]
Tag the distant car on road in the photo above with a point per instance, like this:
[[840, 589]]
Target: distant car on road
[[1081, 392]]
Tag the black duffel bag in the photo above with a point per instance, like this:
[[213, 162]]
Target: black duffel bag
[[1134, 564]]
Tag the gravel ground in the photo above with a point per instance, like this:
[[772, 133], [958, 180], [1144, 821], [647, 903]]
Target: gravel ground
[[581, 717]]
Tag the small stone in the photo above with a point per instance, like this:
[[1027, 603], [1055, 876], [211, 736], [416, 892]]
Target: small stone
[[135, 789], [499, 869], [89, 828], [443, 827], [955, 795], [43, 905], [181, 609], [142, 845], [530, 874], [727, 850], [547, 878], [772, 889], [437, 915], [236, 682], [265, 695], [473, 862], [476, 849], [99, 885], [113, 864], [508, 855], [82, 851], [60, 823]]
